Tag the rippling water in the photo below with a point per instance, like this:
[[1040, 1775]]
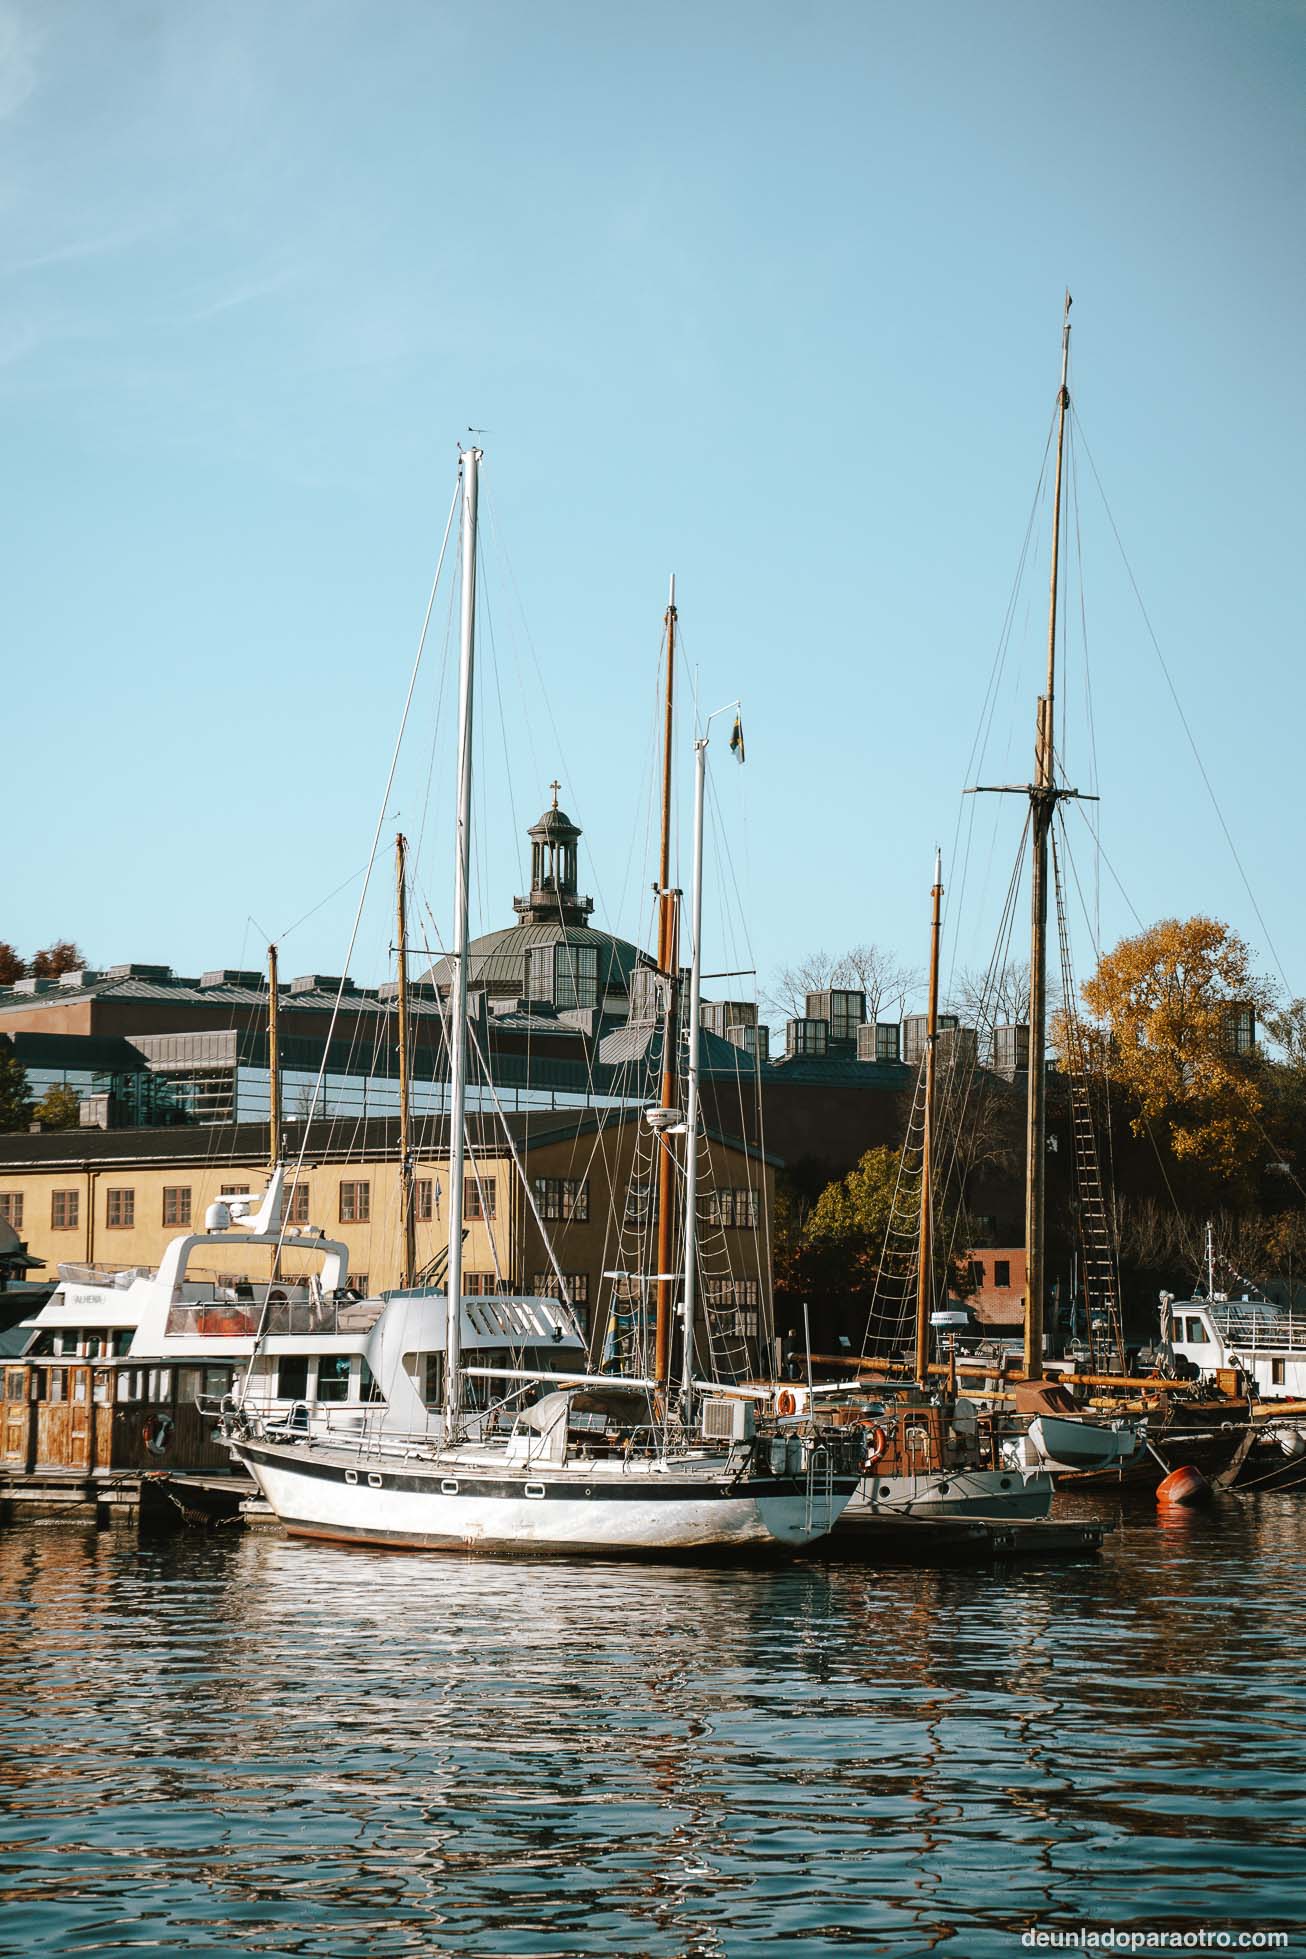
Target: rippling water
[[238, 1744]]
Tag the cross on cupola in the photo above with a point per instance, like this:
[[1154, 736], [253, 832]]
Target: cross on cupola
[[554, 899]]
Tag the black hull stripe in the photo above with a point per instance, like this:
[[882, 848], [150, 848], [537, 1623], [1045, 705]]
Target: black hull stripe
[[566, 1490]]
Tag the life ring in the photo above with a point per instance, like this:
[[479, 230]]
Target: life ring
[[786, 1402], [874, 1455], [158, 1433]]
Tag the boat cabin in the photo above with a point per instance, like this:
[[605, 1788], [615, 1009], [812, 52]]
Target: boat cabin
[[1263, 1342]]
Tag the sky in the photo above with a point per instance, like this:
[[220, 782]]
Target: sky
[[765, 296]]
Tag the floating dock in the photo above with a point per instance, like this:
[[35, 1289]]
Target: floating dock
[[883, 1537]]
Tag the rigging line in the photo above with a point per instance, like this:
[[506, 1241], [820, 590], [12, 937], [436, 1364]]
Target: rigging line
[[1183, 719], [367, 876], [281, 937], [436, 723]]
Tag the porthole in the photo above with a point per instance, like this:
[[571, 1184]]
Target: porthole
[[1005, 1483], [374, 1482], [944, 1488], [448, 1487], [885, 1490], [351, 1476], [534, 1489]]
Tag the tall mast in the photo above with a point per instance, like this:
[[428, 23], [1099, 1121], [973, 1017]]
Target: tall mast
[[695, 1033], [1042, 804], [406, 1192], [274, 1062], [668, 964], [925, 1255], [458, 1004]]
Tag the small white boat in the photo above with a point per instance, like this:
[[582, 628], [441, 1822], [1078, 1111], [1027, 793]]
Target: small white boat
[[1061, 1436]]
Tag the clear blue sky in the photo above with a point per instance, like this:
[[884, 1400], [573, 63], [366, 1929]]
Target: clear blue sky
[[767, 295]]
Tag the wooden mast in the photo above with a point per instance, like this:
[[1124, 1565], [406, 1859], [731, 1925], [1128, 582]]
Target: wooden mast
[[925, 1254], [1042, 803], [274, 1062], [668, 967], [406, 1186]]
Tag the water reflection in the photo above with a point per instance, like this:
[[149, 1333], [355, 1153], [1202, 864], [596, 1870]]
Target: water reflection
[[244, 1744]]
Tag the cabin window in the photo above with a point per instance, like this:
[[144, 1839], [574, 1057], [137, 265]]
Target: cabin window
[[333, 1377], [355, 1203], [65, 1208], [433, 1380], [120, 1341], [189, 1384], [14, 1385], [56, 1384], [159, 1387], [292, 1377], [1002, 1274], [176, 1204], [424, 1200], [119, 1209], [1278, 1373], [368, 1388], [11, 1208], [1197, 1334], [102, 1386], [563, 1199], [218, 1380], [479, 1197]]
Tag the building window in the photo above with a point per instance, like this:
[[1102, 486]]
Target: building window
[[355, 1203], [977, 1274], [176, 1204], [424, 1200], [358, 1283], [297, 1205], [65, 1209], [234, 1190], [119, 1209], [639, 1201], [732, 1206], [477, 1285], [478, 1197], [547, 1285], [1002, 1274], [563, 1199], [11, 1208], [736, 1306]]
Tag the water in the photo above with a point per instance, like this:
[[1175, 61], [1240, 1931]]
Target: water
[[241, 1745]]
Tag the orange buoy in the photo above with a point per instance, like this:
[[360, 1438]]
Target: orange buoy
[[1186, 1485]]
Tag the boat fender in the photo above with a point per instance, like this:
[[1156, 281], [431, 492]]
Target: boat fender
[[786, 1402], [878, 1444], [158, 1433]]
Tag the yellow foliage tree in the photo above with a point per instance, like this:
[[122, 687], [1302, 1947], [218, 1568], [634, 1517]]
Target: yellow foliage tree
[[1170, 1009]]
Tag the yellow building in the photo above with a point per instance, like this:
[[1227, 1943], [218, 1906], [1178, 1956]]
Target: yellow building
[[114, 1198]]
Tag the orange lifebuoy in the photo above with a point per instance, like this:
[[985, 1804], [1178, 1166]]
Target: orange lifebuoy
[[879, 1443], [786, 1402]]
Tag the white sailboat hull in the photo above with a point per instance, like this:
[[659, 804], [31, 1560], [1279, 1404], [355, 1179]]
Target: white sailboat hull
[[510, 1510], [957, 1493]]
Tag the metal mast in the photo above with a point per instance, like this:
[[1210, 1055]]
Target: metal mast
[[925, 1255], [1043, 797], [668, 967], [458, 1003], [274, 1062], [406, 1190], [695, 1033]]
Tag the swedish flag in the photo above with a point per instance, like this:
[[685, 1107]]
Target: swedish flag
[[737, 739]]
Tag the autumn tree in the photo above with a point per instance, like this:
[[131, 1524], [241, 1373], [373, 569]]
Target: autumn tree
[[15, 1104], [1165, 1012], [59, 1108], [62, 957], [12, 964]]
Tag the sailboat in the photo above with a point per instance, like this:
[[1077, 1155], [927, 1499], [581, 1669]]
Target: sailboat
[[598, 1464], [1057, 1434], [925, 1459]]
